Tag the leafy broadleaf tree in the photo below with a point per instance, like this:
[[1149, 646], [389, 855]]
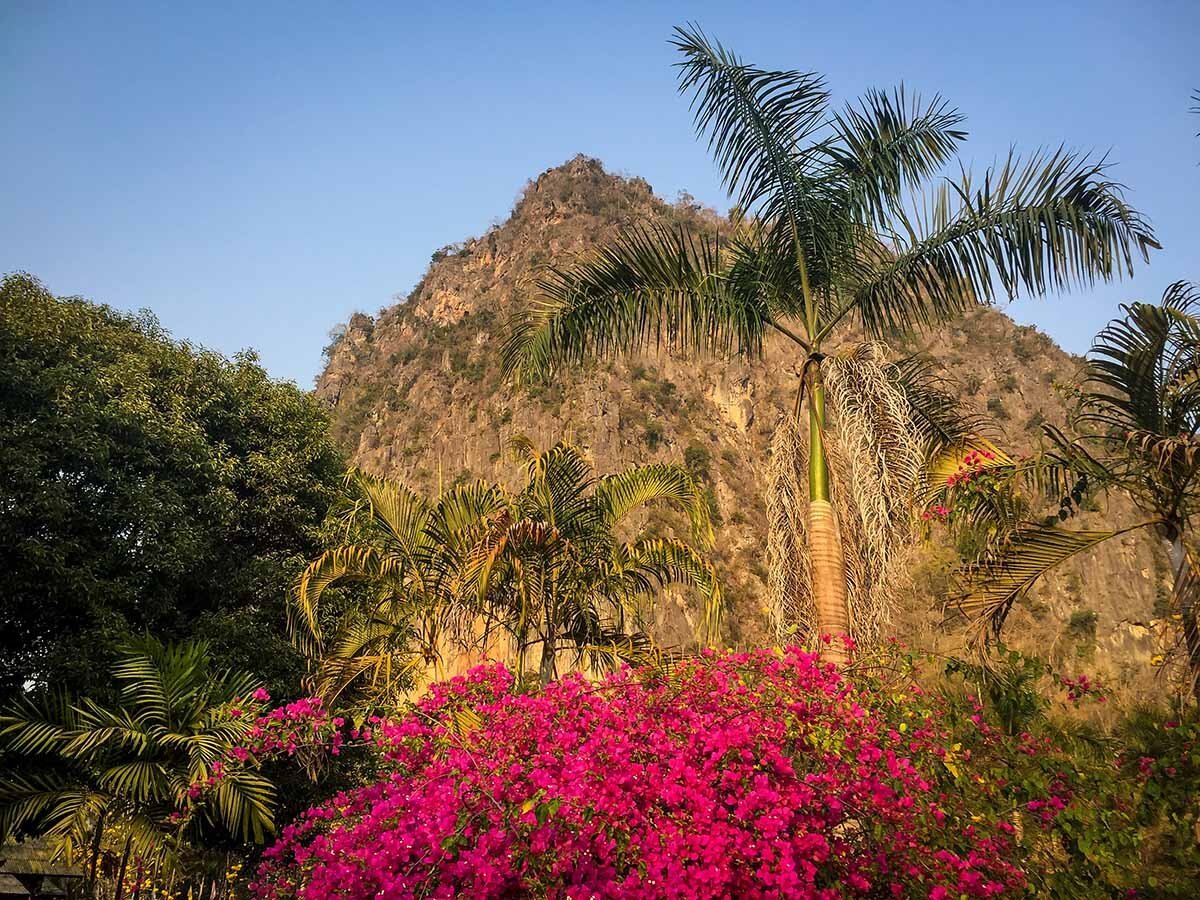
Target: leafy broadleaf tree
[[77, 772], [839, 223], [146, 486], [1134, 432], [426, 582]]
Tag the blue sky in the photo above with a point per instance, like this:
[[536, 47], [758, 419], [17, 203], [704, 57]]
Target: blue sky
[[253, 173]]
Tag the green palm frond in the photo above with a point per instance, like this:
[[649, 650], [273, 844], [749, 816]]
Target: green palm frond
[[669, 561], [559, 486], [1051, 223], [41, 725], [1142, 372], [140, 780], [755, 120], [350, 563], [892, 142], [243, 801], [400, 512], [653, 287], [42, 799], [999, 580], [621, 493]]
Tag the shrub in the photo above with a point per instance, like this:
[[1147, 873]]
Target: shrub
[[744, 775], [1082, 624], [697, 458], [653, 435], [741, 775]]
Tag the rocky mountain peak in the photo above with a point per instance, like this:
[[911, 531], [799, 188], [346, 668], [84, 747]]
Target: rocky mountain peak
[[417, 394]]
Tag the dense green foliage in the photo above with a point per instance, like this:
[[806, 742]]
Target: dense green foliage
[[145, 485], [484, 570], [115, 780]]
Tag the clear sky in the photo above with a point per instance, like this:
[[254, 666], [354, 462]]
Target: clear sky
[[253, 173]]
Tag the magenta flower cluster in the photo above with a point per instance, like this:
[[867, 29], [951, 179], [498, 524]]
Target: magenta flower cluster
[[743, 775], [304, 724], [285, 729]]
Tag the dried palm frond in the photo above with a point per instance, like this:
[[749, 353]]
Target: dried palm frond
[[878, 447], [789, 578]]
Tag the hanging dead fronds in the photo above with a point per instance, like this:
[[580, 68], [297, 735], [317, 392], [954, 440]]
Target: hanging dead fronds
[[789, 576], [877, 453]]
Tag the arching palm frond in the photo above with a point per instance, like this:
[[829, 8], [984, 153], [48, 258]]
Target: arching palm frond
[[888, 143], [755, 121], [243, 801], [652, 287], [1143, 372], [397, 511], [341, 565], [1053, 222], [665, 561], [1003, 577], [935, 408], [623, 492]]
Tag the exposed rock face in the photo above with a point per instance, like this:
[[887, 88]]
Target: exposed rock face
[[418, 395]]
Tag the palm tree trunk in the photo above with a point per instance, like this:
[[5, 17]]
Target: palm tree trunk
[[549, 648], [97, 838], [825, 541], [1185, 590], [119, 890]]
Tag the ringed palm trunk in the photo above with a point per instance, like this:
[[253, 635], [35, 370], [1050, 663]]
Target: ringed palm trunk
[[825, 541]]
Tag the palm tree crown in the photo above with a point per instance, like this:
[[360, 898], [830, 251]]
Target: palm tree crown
[[835, 221], [543, 566]]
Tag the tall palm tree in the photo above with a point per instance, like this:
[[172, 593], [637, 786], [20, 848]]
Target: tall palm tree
[[1136, 428], [542, 566], [75, 772], [832, 227], [551, 568]]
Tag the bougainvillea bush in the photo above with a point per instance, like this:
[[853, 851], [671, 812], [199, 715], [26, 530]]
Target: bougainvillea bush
[[743, 775], [761, 774]]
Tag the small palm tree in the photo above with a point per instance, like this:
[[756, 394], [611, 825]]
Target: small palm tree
[[402, 558], [828, 232], [444, 577], [552, 570], [1136, 428], [74, 772]]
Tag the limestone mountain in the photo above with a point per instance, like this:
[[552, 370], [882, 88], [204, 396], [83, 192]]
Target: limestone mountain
[[418, 394]]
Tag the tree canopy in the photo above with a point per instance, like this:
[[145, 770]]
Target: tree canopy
[[146, 485]]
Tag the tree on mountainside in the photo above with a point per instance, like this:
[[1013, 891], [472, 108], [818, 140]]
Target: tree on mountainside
[[833, 228], [146, 486]]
